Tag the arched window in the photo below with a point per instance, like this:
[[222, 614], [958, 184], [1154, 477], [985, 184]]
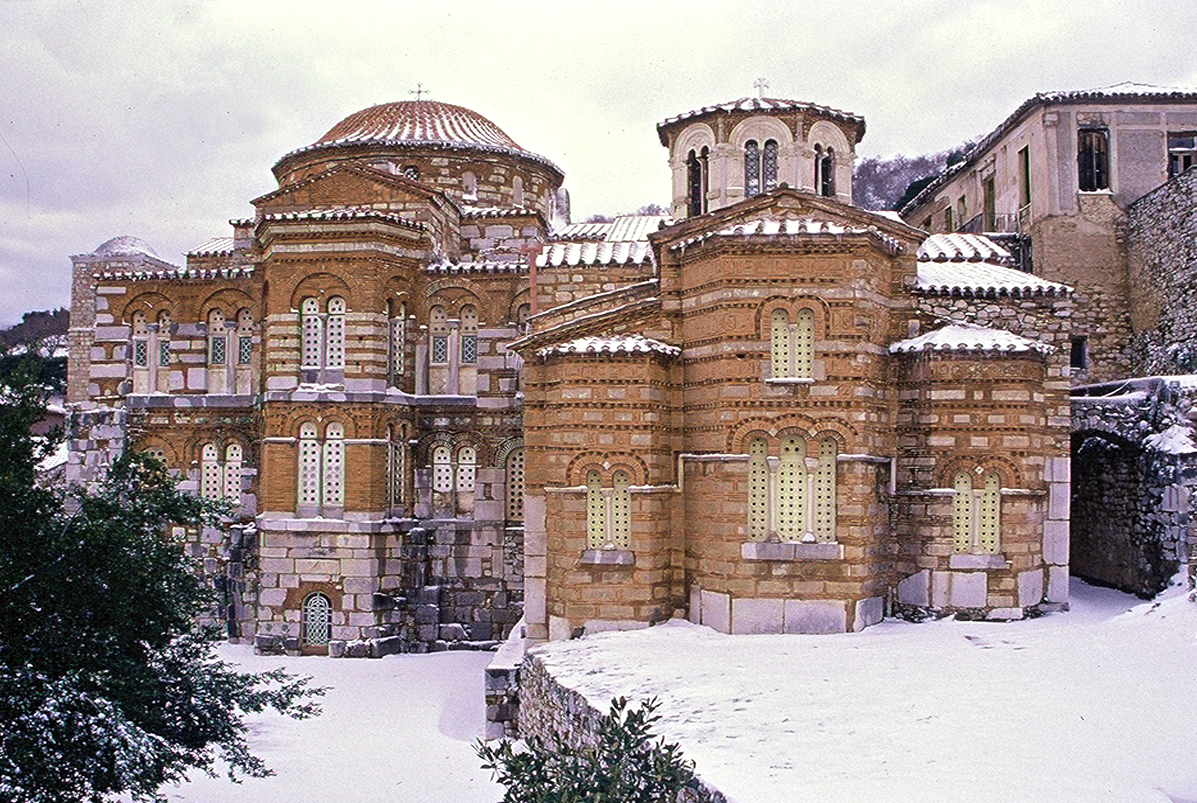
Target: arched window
[[760, 167], [522, 313], [232, 473], [141, 340], [621, 510], [608, 511], [517, 191], [467, 469], [316, 615], [596, 511], [515, 486], [824, 171], [976, 514], [411, 172], [769, 165], [792, 497], [397, 343], [309, 466], [1093, 160], [792, 345], [335, 337], [469, 186], [245, 337], [438, 330], [397, 469], [211, 475], [164, 324], [469, 335], [312, 334], [442, 469], [696, 181], [217, 339], [333, 466]]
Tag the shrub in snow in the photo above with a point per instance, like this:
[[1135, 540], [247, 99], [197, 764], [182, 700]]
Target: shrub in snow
[[624, 765]]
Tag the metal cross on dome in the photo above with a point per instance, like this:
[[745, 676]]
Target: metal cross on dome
[[761, 85], [419, 91]]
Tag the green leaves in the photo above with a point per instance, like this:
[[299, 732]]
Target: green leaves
[[624, 765]]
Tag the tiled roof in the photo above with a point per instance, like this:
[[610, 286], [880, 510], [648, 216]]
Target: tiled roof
[[217, 246], [620, 344], [1127, 91], [982, 278], [961, 248], [766, 104], [492, 266], [591, 253], [624, 228], [969, 337], [583, 231], [497, 211], [232, 272], [125, 245], [347, 213], [792, 228]]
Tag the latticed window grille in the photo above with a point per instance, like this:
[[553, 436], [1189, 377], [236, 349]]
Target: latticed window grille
[[515, 485], [141, 353], [752, 168], [608, 511], [232, 473], [440, 348], [596, 511], [792, 497], [442, 469], [309, 465], [976, 514], [211, 475], [769, 166], [317, 619], [467, 467], [438, 328], [333, 468], [312, 334], [621, 510], [216, 354], [245, 350], [398, 344], [335, 338], [792, 345], [163, 351]]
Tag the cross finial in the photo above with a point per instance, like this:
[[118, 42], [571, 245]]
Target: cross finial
[[419, 91], [761, 84]]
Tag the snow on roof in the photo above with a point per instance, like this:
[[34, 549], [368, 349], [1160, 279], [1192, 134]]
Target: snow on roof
[[595, 230], [215, 247], [792, 227], [591, 253], [125, 245], [747, 104], [497, 211], [484, 266], [228, 272], [621, 344], [969, 337], [624, 228], [961, 247], [346, 213], [969, 278]]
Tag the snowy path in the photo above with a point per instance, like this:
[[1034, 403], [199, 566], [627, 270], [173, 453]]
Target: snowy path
[[396, 729], [1095, 705]]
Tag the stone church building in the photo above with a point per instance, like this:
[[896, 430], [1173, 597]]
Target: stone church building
[[437, 406]]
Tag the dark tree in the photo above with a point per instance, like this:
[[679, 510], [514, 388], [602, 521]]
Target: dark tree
[[107, 682]]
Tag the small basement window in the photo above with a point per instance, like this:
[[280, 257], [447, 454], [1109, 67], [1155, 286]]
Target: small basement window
[[1079, 353]]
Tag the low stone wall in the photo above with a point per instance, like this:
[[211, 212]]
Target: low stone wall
[[547, 708]]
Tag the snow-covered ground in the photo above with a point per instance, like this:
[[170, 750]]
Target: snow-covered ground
[[395, 729], [1096, 705]]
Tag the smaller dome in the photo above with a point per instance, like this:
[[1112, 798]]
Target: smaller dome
[[124, 246]]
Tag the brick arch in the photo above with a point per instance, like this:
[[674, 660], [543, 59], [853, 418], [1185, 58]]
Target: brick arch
[[322, 285], [151, 303], [1007, 470], [295, 419], [694, 138], [607, 463], [194, 444], [397, 289], [504, 450], [147, 442], [228, 300], [761, 128], [521, 296], [483, 449], [763, 316], [453, 295], [426, 443]]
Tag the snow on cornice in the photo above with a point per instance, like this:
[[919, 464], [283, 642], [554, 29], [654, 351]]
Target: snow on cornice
[[747, 104], [982, 278], [620, 344], [485, 266], [233, 272], [969, 337], [792, 228], [497, 211], [217, 246], [346, 213], [961, 247]]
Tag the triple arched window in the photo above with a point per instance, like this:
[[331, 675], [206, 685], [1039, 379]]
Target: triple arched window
[[608, 510], [760, 167], [321, 468], [976, 513], [791, 493], [220, 475], [322, 334], [792, 344]]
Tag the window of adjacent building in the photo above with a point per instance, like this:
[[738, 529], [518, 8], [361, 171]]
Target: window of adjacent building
[[1182, 152], [1024, 176], [515, 485], [760, 167], [976, 514], [792, 496], [792, 344], [608, 511], [824, 171], [1093, 160], [989, 204], [1078, 352], [316, 614], [696, 181], [949, 220], [962, 211]]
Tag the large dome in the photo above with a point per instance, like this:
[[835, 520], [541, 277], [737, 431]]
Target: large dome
[[420, 121], [126, 246]]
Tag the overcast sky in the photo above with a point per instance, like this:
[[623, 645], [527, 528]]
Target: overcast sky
[[162, 120]]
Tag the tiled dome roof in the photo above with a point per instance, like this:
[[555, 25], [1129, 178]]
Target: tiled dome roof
[[420, 121], [125, 246]]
